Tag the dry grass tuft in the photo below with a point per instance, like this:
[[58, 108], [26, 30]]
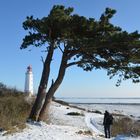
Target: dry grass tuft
[[75, 114], [125, 125], [84, 132]]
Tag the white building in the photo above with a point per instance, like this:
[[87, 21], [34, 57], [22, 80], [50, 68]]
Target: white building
[[29, 81]]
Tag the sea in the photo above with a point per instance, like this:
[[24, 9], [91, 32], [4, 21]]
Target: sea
[[125, 106], [73, 100]]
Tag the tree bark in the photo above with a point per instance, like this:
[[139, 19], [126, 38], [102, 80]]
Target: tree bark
[[53, 88], [42, 86]]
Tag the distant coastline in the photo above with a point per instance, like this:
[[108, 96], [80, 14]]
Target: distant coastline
[[98, 97], [113, 101], [107, 103]]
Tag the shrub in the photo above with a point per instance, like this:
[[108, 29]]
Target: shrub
[[14, 109], [97, 111], [84, 132], [125, 125], [75, 114], [6, 91]]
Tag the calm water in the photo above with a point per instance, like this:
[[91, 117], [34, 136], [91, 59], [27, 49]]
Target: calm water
[[102, 100]]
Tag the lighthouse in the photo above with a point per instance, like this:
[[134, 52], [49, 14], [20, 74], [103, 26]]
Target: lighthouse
[[29, 81]]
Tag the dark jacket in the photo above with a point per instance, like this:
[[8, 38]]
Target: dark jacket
[[108, 119]]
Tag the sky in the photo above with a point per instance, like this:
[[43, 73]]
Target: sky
[[76, 83]]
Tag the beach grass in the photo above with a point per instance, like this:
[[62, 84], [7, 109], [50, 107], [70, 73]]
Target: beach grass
[[126, 125], [14, 109]]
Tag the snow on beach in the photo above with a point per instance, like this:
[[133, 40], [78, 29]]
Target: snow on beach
[[65, 127], [129, 110]]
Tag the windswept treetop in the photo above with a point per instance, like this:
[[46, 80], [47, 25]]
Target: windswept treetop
[[87, 43], [84, 42]]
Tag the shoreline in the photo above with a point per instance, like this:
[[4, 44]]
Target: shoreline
[[116, 109], [112, 101], [106, 103]]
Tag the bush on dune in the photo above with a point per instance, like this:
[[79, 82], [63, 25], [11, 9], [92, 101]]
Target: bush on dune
[[75, 114], [125, 125], [14, 109]]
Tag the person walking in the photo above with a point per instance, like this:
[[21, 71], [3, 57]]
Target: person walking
[[108, 120]]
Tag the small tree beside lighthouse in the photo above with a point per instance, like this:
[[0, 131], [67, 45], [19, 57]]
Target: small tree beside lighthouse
[[29, 81]]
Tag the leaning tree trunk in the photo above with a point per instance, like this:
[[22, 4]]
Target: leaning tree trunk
[[42, 86], [53, 88]]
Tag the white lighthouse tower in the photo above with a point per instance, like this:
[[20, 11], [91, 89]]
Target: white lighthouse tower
[[29, 81]]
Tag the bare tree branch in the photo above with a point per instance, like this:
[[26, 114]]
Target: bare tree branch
[[42, 60], [76, 63], [60, 49]]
